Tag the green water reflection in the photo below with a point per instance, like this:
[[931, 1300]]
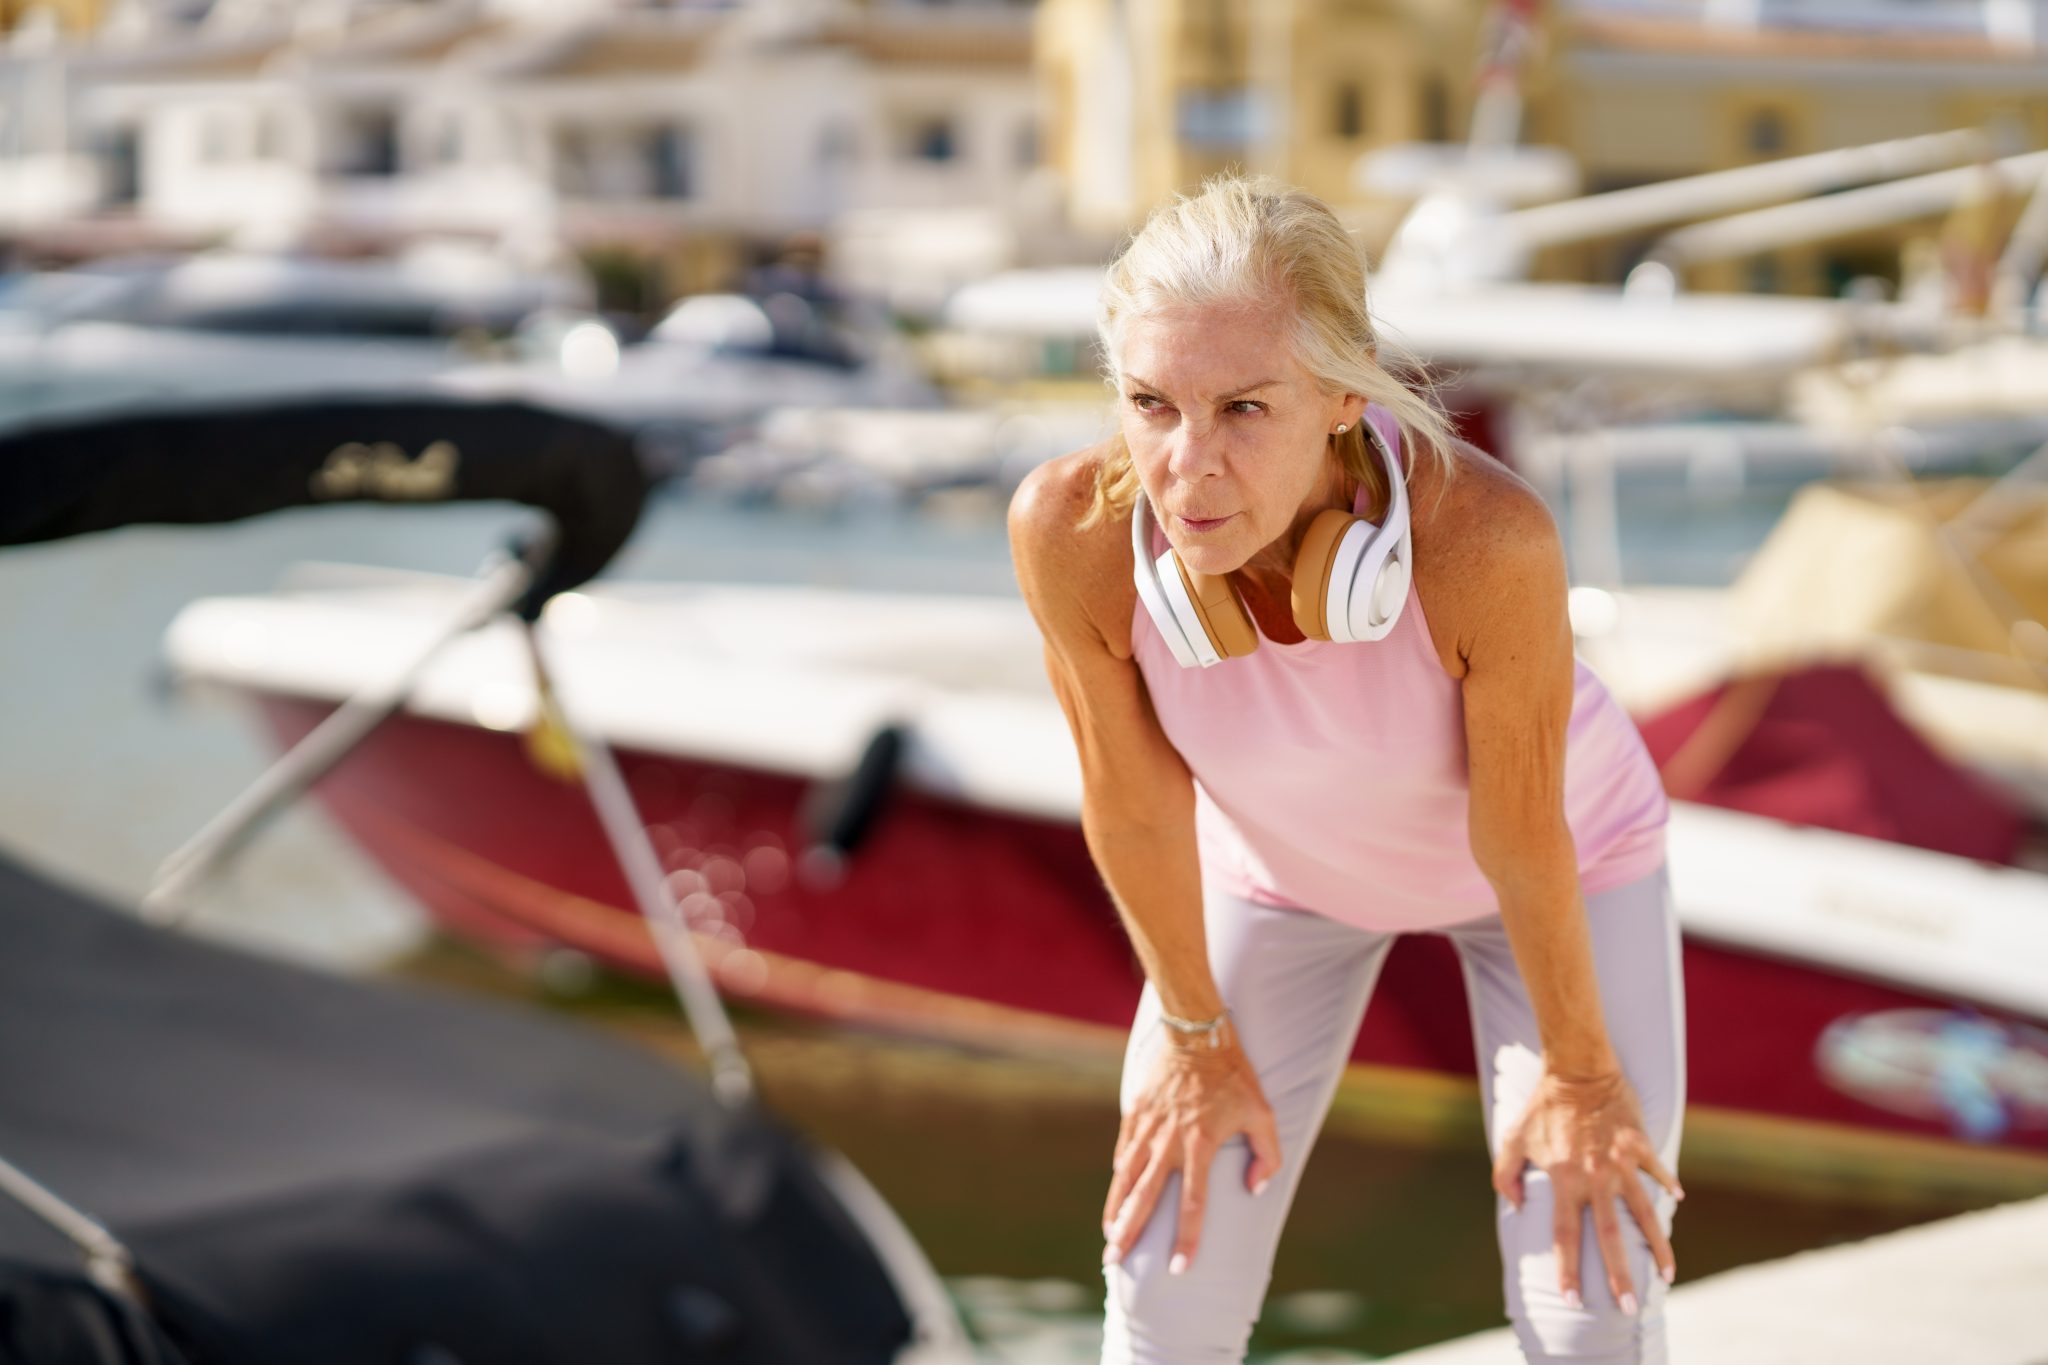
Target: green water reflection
[[999, 1164]]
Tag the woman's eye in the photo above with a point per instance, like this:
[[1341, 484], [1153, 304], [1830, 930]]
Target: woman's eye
[[1145, 402], [1246, 405]]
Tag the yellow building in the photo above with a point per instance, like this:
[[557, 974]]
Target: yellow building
[[1145, 97], [74, 16], [1642, 99]]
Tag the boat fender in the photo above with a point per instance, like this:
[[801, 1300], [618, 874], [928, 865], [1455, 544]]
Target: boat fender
[[838, 815]]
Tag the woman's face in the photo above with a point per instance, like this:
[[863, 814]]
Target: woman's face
[[1229, 435]]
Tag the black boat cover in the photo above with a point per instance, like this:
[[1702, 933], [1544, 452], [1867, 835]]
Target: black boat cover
[[212, 464], [326, 1171]]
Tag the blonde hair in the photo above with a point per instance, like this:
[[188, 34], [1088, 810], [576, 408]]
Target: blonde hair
[[1250, 240]]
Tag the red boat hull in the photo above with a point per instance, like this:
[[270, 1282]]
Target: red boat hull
[[973, 923]]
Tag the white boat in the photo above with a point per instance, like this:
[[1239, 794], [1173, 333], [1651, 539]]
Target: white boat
[[230, 325], [760, 725], [706, 375]]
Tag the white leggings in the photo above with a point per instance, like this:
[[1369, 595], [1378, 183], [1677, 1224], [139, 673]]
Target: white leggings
[[1297, 984]]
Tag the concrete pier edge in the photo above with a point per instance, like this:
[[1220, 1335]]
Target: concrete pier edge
[[1968, 1290]]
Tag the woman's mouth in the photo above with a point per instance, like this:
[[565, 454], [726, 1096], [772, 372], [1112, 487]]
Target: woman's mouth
[[1199, 524]]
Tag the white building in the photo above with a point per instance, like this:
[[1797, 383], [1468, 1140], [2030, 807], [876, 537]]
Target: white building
[[535, 121]]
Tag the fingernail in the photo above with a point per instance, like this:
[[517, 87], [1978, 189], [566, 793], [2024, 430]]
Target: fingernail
[[1178, 1265], [1112, 1253], [1669, 1272], [1572, 1300], [1628, 1304], [1260, 1188]]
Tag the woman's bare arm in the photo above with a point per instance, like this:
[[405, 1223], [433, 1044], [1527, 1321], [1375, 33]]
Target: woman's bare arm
[[1583, 1127], [1137, 802], [1137, 810], [1517, 690]]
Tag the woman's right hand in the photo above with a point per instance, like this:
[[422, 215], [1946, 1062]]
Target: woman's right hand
[[1138, 813], [1195, 1099]]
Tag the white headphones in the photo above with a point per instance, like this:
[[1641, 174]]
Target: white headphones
[[1350, 580]]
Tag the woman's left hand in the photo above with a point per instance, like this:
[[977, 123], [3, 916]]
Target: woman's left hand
[[1587, 1135]]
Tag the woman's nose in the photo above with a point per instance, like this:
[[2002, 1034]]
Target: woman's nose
[[1196, 452]]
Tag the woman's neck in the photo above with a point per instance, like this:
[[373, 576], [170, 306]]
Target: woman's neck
[[1272, 568]]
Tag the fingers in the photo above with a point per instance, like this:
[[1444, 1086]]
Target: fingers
[[1263, 1134], [1194, 1198], [1131, 1147], [1131, 1135], [1507, 1170], [1613, 1254], [1647, 1155], [1564, 1230], [1141, 1179], [1137, 1207], [1567, 1222], [1638, 1200]]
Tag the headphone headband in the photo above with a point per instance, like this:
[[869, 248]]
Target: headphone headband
[[1378, 578]]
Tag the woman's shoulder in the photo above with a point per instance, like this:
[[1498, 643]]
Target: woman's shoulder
[[1055, 496], [1484, 542], [1073, 577], [1475, 502]]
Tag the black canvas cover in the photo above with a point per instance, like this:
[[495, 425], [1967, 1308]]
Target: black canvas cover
[[320, 1170], [224, 463]]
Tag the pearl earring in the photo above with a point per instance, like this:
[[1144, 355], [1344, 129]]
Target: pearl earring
[[1343, 427]]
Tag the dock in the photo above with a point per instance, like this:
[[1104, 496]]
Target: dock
[[1968, 1290]]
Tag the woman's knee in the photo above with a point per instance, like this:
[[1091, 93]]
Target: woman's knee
[[1189, 1319], [1205, 1313], [1597, 1332], [1144, 1328], [1595, 1329]]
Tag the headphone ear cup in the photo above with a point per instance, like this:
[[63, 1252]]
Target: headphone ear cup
[[1310, 592], [1221, 612], [1388, 595]]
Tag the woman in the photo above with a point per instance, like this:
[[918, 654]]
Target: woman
[[1348, 770]]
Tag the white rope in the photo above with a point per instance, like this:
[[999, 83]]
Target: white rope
[[107, 1260], [504, 580], [732, 1080]]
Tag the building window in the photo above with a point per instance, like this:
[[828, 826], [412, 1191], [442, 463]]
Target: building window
[[370, 144], [933, 138], [216, 137], [1222, 120], [448, 139], [269, 135], [1350, 111], [924, 135], [119, 152], [572, 161], [671, 155], [1436, 110], [1765, 133]]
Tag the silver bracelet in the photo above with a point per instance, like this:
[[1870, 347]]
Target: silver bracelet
[[1211, 1029]]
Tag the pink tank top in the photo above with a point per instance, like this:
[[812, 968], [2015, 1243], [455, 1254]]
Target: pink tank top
[[1331, 777]]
